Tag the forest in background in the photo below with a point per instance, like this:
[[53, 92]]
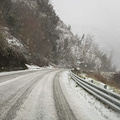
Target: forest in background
[[44, 39]]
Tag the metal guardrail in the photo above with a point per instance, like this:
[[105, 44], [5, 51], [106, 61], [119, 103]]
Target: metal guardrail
[[109, 98]]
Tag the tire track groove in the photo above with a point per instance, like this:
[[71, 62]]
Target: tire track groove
[[11, 112], [64, 111]]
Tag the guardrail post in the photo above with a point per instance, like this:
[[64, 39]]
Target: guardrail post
[[105, 86], [91, 81]]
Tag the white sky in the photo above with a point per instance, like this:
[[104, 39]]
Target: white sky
[[100, 18]]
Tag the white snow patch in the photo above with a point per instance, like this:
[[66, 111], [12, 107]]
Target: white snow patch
[[33, 66], [14, 41], [84, 105]]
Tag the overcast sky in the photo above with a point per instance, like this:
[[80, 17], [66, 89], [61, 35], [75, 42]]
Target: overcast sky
[[100, 18]]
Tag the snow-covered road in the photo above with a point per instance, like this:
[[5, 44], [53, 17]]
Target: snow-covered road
[[46, 94]]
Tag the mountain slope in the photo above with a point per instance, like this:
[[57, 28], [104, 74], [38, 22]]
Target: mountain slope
[[33, 24], [31, 32]]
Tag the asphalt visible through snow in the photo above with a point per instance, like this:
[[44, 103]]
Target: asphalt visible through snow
[[63, 109], [33, 95]]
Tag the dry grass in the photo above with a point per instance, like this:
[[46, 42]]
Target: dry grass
[[110, 79], [113, 81]]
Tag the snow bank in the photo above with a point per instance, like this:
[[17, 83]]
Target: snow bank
[[32, 66]]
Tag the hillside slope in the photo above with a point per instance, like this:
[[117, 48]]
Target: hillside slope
[[32, 33], [32, 24]]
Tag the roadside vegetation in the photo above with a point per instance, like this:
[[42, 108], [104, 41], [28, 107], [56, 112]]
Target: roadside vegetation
[[109, 79]]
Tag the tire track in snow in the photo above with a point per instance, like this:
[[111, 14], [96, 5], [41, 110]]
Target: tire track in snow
[[13, 103], [4, 78], [64, 111]]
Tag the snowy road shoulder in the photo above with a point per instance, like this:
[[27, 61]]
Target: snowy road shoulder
[[84, 105]]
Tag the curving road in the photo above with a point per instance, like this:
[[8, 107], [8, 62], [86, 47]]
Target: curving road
[[33, 95]]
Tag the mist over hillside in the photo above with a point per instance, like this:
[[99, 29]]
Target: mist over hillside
[[32, 33]]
